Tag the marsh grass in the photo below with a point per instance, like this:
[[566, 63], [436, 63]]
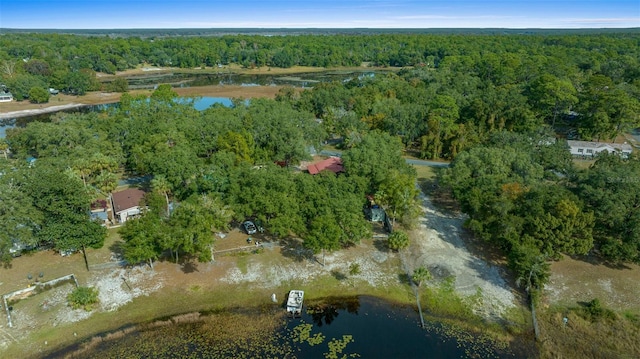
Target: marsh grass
[[442, 300], [610, 336]]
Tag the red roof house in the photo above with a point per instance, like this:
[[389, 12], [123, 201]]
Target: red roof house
[[333, 164]]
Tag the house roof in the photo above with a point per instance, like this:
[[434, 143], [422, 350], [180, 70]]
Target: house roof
[[127, 199], [599, 145], [333, 164]]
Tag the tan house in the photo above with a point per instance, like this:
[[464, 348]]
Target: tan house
[[126, 204]]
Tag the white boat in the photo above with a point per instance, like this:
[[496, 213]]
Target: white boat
[[294, 302]]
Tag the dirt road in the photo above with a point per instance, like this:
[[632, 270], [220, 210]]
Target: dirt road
[[440, 248]]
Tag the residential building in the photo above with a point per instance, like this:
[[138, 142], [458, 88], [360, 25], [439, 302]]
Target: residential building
[[126, 204], [591, 149], [333, 164]]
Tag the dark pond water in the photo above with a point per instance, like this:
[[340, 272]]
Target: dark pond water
[[377, 329], [298, 80], [383, 330]]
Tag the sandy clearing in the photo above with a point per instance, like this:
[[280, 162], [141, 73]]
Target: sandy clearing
[[50, 308], [275, 274], [440, 248], [576, 280]]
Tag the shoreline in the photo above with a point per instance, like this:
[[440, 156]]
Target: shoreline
[[443, 326], [25, 109], [39, 111]]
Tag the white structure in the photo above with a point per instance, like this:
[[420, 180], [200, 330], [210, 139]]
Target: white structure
[[126, 203], [6, 97], [588, 148]]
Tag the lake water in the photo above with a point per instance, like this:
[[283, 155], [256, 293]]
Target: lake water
[[188, 80], [378, 329], [200, 104]]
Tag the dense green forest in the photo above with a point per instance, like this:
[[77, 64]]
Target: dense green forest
[[496, 105]]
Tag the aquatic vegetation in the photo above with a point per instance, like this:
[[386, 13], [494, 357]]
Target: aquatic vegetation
[[336, 346], [302, 333]]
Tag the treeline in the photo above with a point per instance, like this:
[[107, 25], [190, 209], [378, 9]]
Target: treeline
[[69, 62]]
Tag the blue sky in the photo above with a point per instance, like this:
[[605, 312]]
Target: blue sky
[[112, 14]]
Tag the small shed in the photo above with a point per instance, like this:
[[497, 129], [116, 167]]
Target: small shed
[[6, 96], [375, 214]]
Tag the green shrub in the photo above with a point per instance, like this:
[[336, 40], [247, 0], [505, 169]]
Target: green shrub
[[38, 95], [594, 311], [398, 240], [83, 297], [354, 269]]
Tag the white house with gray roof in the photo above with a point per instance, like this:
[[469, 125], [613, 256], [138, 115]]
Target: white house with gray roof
[[591, 149]]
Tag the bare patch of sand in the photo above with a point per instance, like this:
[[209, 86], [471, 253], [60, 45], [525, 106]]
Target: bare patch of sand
[[582, 280], [438, 246]]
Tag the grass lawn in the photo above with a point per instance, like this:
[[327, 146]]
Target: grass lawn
[[583, 164], [425, 173]]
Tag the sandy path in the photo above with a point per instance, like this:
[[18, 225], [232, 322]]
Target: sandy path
[[439, 248], [39, 111]]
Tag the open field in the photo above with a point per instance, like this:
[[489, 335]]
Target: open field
[[582, 279]]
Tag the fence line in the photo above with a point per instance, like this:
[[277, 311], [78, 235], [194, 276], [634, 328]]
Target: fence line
[[536, 330], [27, 292]]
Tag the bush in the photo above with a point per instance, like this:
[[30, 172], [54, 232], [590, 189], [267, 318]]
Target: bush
[[398, 240], [83, 297], [354, 269], [594, 311], [38, 95], [119, 85]]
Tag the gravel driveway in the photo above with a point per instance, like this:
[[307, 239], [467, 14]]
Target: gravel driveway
[[437, 246]]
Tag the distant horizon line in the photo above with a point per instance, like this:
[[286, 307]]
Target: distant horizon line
[[329, 28]]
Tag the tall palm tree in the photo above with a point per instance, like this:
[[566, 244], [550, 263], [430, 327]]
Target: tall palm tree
[[160, 184]]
